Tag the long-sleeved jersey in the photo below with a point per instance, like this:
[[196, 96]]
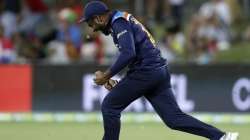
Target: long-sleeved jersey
[[137, 47]]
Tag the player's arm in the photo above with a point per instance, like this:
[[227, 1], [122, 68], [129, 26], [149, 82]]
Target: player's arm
[[125, 38]]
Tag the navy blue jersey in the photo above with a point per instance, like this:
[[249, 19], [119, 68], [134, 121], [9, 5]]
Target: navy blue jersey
[[137, 47]]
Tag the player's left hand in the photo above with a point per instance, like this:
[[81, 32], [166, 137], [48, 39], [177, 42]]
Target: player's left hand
[[101, 78]]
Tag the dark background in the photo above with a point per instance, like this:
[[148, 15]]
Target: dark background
[[59, 88]]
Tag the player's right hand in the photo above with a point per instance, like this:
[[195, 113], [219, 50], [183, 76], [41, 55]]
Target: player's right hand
[[110, 84], [101, 77]]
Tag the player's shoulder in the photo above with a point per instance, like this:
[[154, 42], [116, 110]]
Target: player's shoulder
[[120, 15]]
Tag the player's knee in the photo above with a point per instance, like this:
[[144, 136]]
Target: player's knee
[[108, 109], [105, 106], [172, 125], [175, 121], [109, 112]]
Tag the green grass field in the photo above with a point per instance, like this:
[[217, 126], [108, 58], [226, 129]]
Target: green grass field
[[93, 131]]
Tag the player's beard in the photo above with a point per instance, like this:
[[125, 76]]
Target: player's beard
[[103, 29], [106, 31]]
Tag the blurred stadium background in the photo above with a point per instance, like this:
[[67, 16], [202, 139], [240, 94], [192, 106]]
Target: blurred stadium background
[[47, 61]]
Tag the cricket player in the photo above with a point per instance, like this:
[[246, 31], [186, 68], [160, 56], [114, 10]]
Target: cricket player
[[147, 75]]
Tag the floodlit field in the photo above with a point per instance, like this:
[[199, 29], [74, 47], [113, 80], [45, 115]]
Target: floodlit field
[[93, 131]]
